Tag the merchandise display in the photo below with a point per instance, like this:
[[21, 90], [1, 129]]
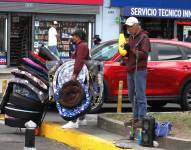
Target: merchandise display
[[26, 94], [20, 38], [64, 30]]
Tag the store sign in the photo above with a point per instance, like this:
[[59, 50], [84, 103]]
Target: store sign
[[157, 12], [3, 59], [83, 2]]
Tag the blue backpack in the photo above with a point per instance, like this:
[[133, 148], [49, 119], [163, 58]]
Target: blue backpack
[[163, 128]]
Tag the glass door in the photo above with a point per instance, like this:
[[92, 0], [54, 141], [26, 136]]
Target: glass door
[[3, 40]]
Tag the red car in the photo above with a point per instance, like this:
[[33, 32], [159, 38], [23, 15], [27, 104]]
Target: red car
[[169, 72]]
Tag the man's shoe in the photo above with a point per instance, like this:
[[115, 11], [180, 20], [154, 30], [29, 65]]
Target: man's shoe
[[130, 123], [138, 124], [82, 122], [70, 125]]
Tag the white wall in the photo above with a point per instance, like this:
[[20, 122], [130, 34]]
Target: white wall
[[106, 25]]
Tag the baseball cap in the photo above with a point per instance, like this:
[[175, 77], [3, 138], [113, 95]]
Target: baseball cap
[[131, 21], [55, 22]]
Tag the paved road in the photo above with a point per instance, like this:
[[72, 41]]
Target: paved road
[[110, 107], [12, 139]]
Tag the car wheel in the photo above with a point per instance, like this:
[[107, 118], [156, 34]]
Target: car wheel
[[157, 104], [186, 98]]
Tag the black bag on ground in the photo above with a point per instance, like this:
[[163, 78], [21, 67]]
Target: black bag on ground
[[148, 131]]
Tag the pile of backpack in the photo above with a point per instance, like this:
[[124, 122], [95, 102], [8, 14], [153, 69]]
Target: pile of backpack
[[27, 92], [44, 75]]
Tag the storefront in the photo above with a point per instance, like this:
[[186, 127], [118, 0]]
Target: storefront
[[67, 24], [3, 40], [162, 19], [26, 25]]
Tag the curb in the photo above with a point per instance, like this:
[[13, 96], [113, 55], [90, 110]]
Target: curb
[[111, 125], [169, 143], [75, 138]]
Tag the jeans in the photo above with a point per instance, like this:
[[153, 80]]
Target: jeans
[[54, 50], [138, 97]]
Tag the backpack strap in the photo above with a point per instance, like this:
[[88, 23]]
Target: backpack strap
[[141, 38]]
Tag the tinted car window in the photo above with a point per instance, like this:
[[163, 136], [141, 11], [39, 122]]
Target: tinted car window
[[187, 51], [105, 52], [168, 52]]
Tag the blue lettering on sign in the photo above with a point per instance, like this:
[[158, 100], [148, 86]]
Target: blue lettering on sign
[[157, 12]]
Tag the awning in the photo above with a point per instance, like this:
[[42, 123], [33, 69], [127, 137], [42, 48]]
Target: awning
[[48, 8], [184, 22], [78, 2]]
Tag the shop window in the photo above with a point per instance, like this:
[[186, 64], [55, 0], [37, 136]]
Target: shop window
[[158, 28], [187, 51], [168, 52], [3, 40], [64, 30]]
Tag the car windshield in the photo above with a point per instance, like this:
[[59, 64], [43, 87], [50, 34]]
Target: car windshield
[[105, 51]]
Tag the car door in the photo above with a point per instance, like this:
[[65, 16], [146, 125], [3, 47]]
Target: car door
[[151, 70], [118, 73], [165, 69]]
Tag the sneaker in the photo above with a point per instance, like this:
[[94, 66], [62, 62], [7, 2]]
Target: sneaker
[[70, 125], [82, 122]]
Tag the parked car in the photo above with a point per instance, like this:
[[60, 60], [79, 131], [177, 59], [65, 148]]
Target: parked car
[[169, 72]]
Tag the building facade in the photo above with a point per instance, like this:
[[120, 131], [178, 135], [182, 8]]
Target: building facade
[[24, 25], [162, 18], [107, 25]]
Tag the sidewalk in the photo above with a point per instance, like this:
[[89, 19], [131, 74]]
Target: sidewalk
[[88, 137]]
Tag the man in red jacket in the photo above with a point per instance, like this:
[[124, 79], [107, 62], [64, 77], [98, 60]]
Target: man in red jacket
[[137, 69], [81, 55]]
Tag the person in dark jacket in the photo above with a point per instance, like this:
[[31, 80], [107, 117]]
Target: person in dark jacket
[[96, 40], [137, 70], [81, 55]]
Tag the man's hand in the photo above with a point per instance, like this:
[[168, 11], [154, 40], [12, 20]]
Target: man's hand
[[74, 77]]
